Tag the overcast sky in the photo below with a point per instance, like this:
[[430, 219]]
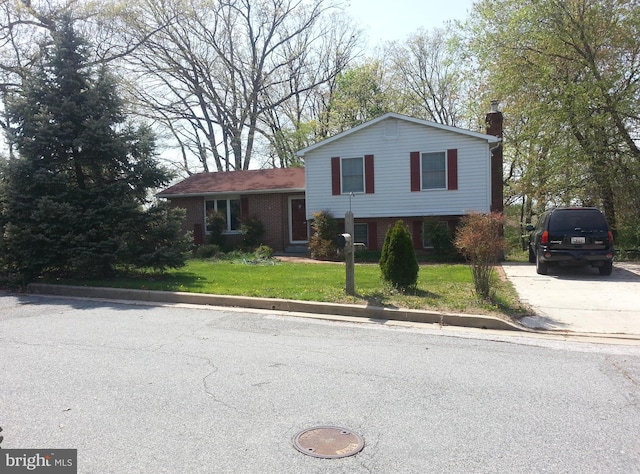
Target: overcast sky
[[388, 20]]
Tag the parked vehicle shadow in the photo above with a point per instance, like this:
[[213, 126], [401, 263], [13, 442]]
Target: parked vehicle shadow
[[589, 273]]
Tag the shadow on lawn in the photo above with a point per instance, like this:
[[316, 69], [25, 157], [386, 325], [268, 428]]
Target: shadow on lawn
[[140, 280], [175, 281], [382, 299]]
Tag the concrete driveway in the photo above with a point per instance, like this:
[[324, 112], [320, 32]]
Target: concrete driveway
[[580, 300]]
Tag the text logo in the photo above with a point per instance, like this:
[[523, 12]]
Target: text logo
[[46, 461]]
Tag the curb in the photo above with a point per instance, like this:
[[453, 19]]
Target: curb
[[361, 311]]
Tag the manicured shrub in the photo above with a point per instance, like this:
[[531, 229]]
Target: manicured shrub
[[216, 225], [479, 238], [438, 234], [322, 244], [252, 230], [398, 261], [263, 251]]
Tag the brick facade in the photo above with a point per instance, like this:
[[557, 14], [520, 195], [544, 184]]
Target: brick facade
[[377, 229], [271, 209], [194, 218]]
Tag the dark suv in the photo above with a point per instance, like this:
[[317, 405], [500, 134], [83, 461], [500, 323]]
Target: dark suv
[[576, 235]]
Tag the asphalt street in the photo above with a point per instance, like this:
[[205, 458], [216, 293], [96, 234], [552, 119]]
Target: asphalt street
[[174, 389]]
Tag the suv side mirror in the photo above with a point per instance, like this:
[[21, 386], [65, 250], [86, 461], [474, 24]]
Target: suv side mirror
[[529, 228]]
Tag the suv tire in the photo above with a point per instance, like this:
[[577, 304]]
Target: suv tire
[[532, 255], [541, 267], [606, 269]]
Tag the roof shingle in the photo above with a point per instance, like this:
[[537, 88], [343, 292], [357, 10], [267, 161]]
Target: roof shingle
[[270, 180]]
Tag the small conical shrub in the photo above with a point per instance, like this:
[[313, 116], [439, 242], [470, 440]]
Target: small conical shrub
[[398, 261]]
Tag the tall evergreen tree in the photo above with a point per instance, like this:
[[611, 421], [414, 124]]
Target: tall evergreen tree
[[76, 199]]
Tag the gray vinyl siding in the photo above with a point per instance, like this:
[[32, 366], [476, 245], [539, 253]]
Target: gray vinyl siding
[[393, 196]]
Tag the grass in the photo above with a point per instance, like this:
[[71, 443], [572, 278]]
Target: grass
[[443, 287]]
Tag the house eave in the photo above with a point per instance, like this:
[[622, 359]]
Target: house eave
[[229, 193]]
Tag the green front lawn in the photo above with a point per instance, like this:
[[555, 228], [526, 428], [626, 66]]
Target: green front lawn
[[444, 287]]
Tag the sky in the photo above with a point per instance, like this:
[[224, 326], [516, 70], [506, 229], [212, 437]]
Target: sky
[[393, 20]]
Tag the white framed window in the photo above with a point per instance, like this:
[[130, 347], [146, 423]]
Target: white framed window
[[352, 170], [434, 170], [229, 208]]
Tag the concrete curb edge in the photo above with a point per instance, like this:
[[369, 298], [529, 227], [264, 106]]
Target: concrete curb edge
[[369, 312]]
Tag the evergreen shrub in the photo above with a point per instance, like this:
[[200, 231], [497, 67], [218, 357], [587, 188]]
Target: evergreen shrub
[[216, 225], [252, 230], [440, 237], [398, 261]]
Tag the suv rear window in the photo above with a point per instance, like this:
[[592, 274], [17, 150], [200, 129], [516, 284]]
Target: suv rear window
[[567, 220]]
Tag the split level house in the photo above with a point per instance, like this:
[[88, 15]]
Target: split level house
[[390, 168]]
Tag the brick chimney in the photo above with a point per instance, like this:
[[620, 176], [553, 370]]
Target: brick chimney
[[493, 122]]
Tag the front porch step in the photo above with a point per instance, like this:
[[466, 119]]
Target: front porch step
[[301, 250]]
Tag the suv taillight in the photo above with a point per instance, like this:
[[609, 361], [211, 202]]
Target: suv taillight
[[610, 238], [544, 238]]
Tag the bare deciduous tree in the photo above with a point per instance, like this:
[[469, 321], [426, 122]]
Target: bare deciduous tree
[[429, 72], [215, 73]]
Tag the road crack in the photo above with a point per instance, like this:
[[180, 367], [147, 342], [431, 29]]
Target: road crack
[[624, 372]]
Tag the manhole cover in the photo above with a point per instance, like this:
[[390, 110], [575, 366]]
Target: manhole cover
[[328, 442]]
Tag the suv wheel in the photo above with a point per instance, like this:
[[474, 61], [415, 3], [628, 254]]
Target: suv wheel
[[606, 268], [541, 267], [532, 255]]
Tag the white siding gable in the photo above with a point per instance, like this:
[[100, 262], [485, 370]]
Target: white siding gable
[[391, 141]]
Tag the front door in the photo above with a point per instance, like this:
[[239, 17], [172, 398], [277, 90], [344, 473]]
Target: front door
[[298, 220]]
